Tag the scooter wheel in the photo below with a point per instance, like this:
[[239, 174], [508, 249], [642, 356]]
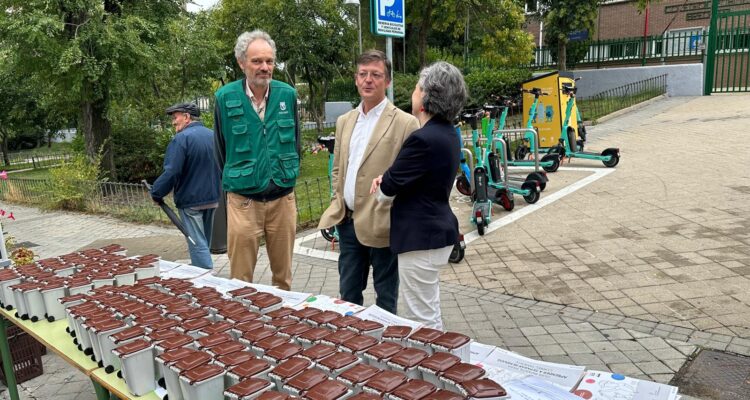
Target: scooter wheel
[[521, 152], [555, 162], [532, 197], [505, 200], [456, 255], [329, 234], [536, 176], [613, 161], [463, 186], [479, 216]]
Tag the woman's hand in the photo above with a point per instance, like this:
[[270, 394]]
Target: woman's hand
[[376, 184]]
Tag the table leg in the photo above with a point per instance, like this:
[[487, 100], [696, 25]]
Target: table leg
[[10, 375], [101, 392]]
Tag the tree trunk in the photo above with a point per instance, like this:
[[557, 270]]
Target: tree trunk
[[561, 55], [424, 29], [97, 131], [6, 159]]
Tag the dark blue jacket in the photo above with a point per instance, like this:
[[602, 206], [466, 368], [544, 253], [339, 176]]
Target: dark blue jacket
[[421, 178], [190, 169]]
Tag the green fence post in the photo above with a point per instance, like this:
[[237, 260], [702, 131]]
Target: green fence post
[[10, 375], [708, 79]]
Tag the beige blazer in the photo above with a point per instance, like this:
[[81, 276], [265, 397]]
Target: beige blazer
[[372, 219]]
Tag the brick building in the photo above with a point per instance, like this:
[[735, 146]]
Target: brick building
[[676, 31]]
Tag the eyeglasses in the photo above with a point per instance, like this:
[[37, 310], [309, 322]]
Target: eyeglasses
[[375, 75]]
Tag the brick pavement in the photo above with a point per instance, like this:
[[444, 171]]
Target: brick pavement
[[633, 273]]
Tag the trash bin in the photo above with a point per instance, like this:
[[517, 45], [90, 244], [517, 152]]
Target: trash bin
[[219, 235], [550, 109]]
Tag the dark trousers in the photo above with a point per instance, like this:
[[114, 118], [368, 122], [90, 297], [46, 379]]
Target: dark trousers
[[354, 267]]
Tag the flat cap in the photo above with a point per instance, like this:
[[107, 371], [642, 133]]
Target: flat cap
[[189, 108]]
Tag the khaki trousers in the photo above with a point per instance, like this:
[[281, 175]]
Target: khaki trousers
[[247, 222]]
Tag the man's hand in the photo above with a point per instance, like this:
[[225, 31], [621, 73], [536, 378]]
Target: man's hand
[[376, 184]]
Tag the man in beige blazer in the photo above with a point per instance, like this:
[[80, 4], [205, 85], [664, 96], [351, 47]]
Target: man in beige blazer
[[368, 139]]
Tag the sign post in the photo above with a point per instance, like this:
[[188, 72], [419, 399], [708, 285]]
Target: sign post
[[388, 18]]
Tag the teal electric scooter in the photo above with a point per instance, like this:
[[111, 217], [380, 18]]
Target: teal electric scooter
[[610, 157], [530, 144]]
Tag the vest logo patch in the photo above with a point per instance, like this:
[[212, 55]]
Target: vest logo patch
[[282, 106]]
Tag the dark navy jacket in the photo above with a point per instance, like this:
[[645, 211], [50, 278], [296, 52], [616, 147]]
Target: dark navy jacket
[[190, 169], [421, 178]]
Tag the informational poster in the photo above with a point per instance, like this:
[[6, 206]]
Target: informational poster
[[377, 314], [388, 17], [327, 303], [599, 385], [185, 271], [504, 365]]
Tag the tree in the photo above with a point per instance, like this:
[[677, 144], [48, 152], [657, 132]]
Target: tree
[[313, 39], [86, 51], [562, 17], [495, 28]]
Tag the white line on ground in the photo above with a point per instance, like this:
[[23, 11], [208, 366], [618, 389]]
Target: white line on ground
[[597, 174]]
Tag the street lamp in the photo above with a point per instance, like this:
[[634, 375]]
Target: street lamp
[[359, 20]]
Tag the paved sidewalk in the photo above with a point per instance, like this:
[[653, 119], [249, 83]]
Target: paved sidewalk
[[632, 273]]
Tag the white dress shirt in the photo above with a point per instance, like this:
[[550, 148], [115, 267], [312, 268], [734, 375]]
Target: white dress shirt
[[260, 109], [357, 145]]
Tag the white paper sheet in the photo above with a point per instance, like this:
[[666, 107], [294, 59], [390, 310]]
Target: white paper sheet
[[599, 385], [328, 303], [512, 365], [536, 389], [165, 266], [222, 285], [185, 271], [377, 314], [479, 352], [291, 299]]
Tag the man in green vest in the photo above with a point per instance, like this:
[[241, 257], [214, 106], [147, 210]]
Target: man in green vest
[[257, 145]]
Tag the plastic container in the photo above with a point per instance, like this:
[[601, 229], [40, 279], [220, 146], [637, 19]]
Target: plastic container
[[415, 389], [238, 294], [184, 364], [442, 394], [422, 339], [485, 389], [79, 286], [35, 302], [282, 352], [396, 334], [276, 395], [288, 370], [343, 322], [203, 382], [323, 318], [435, 365], [262, 346], [225, 348], [231, 360], [105, 345], [318, 352], [329, 390], [163, 324], [254, 368], [461, 372], [239, 330], [263, 302], [194, 313], [356, 376], [125, 277], [454, 343], [51, 295], [378, 355], [281, 323], [6, 281], [312, 336], [370, 328], [293, 331], [250, 338], [338, 362], [143, 272], [303, 382], [19, 301], [365, 396], [384, 383], [338, 337], [213, 340], [248, 389], [193, 326], [175, 342], [303, 314], [358, 345], [216, 328], [242, 316], [278, 313], [406, 361], [171, 378], [137, 366]]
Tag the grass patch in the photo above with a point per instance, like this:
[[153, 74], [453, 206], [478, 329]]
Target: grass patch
[[41, 173]]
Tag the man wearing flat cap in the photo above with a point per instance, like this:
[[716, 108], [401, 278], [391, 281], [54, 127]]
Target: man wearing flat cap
[[191, 171]]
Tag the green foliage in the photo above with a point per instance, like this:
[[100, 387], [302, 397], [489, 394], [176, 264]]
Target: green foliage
[[483, 84], [562, 17], [73, 183], [343, 89], [403, 88]]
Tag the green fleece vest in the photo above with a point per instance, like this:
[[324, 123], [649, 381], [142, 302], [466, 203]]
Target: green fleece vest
[[258, 151]]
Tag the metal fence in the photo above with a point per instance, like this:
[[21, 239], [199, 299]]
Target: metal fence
[[609, 101], [36, 160], [671, 45], [132, 201]]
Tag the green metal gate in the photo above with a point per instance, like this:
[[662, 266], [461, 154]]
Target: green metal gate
[[728, 62]]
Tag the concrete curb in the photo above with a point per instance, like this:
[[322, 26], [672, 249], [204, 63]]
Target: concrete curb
[[629, 109]]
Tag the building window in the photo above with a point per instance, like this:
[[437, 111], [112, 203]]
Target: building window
[[531, 6]]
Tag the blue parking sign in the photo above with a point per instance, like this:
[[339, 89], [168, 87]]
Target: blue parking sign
[[389, 18]]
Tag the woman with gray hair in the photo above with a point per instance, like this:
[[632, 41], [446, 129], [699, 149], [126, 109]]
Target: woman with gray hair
[[423, 227]]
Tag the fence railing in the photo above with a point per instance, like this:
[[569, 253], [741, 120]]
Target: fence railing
[[611, 100], [633, 50], [36, 160], [132, 201]]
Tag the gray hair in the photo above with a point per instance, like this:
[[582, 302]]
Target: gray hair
[[248, 37], [443, 90]]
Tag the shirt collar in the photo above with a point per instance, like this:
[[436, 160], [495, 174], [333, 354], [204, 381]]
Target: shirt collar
[[376, 111], [249, 92]]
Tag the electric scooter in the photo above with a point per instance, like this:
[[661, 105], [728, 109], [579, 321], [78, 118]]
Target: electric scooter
[[530, 144], [482, 209], [329, 142], [610, 157]]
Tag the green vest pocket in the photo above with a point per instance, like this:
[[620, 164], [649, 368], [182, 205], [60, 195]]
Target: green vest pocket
[[241, 176], [241, 139], [286, 130], [288, 166]]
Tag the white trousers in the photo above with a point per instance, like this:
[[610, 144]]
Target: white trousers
[[419, 287]]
